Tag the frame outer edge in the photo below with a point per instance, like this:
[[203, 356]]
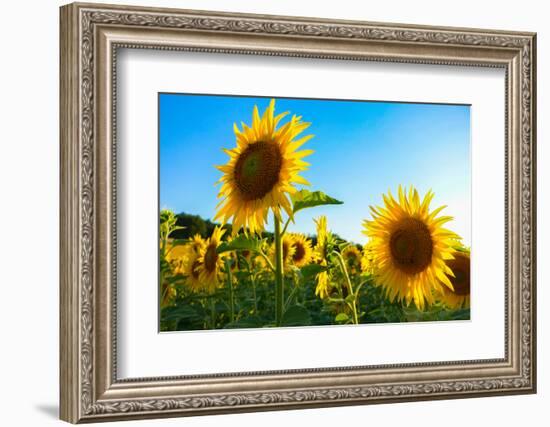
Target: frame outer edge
[[69, 224], [533, 124], [77, 338]]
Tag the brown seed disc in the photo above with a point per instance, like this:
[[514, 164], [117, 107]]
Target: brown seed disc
[[299, 252], [411, 246], [210, 258], [461, 269], [286, 249], [257, 169]]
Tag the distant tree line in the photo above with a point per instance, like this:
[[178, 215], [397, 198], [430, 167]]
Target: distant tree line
[[194, 224]]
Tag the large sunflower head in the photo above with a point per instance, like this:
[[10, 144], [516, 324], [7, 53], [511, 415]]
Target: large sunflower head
[[459, 297], [210, 262], [303, 252], [262, 170], [352, 258], [410, 247]]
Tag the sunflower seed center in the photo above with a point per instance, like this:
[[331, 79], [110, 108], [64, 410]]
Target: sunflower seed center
[[257, 169], [299, 252], [411, 246], [461, 269], [210, 258]]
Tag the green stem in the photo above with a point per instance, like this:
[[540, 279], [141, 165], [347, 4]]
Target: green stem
[[279, 282], [253, 280], [212, 313], [286, 226], [231, 296], [267, 260], [294, 290], [353, 305], [292, 293]]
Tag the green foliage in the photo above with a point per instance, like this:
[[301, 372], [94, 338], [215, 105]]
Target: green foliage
[[254, 291], [242, 243], [297, 315], [304, 199]]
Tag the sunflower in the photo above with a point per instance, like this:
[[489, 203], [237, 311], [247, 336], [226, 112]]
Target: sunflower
[[288, 250], [262, 170], [176, 256], [233, 261], [303, 252], [258, 262], [460, 296], [168, 295], [191, 268], [196, 243], [321, 254], [352, 258], [410, 247], [210, 262], [367, 259]]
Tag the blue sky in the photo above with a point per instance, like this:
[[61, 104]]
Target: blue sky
[[362, 149]]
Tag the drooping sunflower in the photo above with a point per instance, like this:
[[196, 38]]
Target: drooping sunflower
[[191, 268], [367, 259], [352, 258], [210, 262], [321, 255], [196, 243], [262, 170], [303, 252], [410, 247], [460, 296]]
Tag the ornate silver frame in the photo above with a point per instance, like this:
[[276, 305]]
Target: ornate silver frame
[[90, 36]]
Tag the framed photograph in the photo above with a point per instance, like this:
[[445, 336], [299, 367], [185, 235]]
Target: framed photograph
[[266, 212]]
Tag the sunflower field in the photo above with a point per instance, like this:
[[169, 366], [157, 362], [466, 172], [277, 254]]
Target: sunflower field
[[240, 275]]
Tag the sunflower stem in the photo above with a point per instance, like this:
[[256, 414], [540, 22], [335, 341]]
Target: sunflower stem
[[212, 313], [279, 282], [231, 296], [253, 281], [353, 305], [286, 226], [267, 260]]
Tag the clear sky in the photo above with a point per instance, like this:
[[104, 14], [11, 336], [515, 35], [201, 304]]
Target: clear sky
[[362, 149]]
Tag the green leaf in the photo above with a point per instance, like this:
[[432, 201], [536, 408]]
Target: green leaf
[[307, 199], [342, 317], [350, 298], [241, 243], [177, 313], [311, 270], [245, 322], [463, 314], [297, 315], [344, 245]]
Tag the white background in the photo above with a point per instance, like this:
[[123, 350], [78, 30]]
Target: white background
[[29, 171], [144, 73]]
